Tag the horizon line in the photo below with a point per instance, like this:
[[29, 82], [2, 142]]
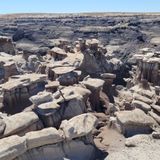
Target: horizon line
[[75, 13]]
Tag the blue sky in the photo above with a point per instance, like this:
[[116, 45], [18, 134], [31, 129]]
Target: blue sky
[[69, 6]]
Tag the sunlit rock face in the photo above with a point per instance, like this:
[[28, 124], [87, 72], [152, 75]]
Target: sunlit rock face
[[52, 144], [7, 66], [6, 45], [18, 89]]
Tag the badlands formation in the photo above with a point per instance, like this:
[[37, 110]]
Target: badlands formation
[[80, 87]]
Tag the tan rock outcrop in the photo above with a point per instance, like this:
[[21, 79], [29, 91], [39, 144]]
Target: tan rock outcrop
[[18, 89], [41, 97], [7, 66], [142, 98], [78, 126], [67, 102], [12, 147], [134, 122], [57, 53], [95, 86], [49, 114], [43, 137], [21, 123], [6, 45], [141, 105], [148, 68], [137, 139], [107, 88], [53, 144], [155, 116], [52, 114], [66, 150]]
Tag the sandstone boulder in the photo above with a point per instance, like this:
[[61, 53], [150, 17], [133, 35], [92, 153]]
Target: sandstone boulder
[[95, 86], [12, 147], [49, 114], [78, 126], [18, 90], [145, 92], [67, 79], [43, 137], [74, 107], [6, 45], [71, 102], [69, 91], [155, 116], [136, 140], [156, 108], [74, 150], [108, 76], [107, 88], [134, 122], [141, 105], [52, 86], [41, 97], [93, 83], [57, 53], [148, 68], [21, 123], [142, 98], [7, 66], [68, 102], [61, 151]]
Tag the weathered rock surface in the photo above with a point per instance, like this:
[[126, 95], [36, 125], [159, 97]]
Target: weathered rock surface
[[12, 147], [155, 117], [6, 45], [149, 69], [95, 86], [66, 103], [70, 92], [43, 137], [141, 105], [134, 122], [156, 108], [142, 98], [92, 83], [41, 97], [136, 140], [19, 88], [78, 126], [49, 114], [21, 123], [7, 66], [68, 150], [53, 144]]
